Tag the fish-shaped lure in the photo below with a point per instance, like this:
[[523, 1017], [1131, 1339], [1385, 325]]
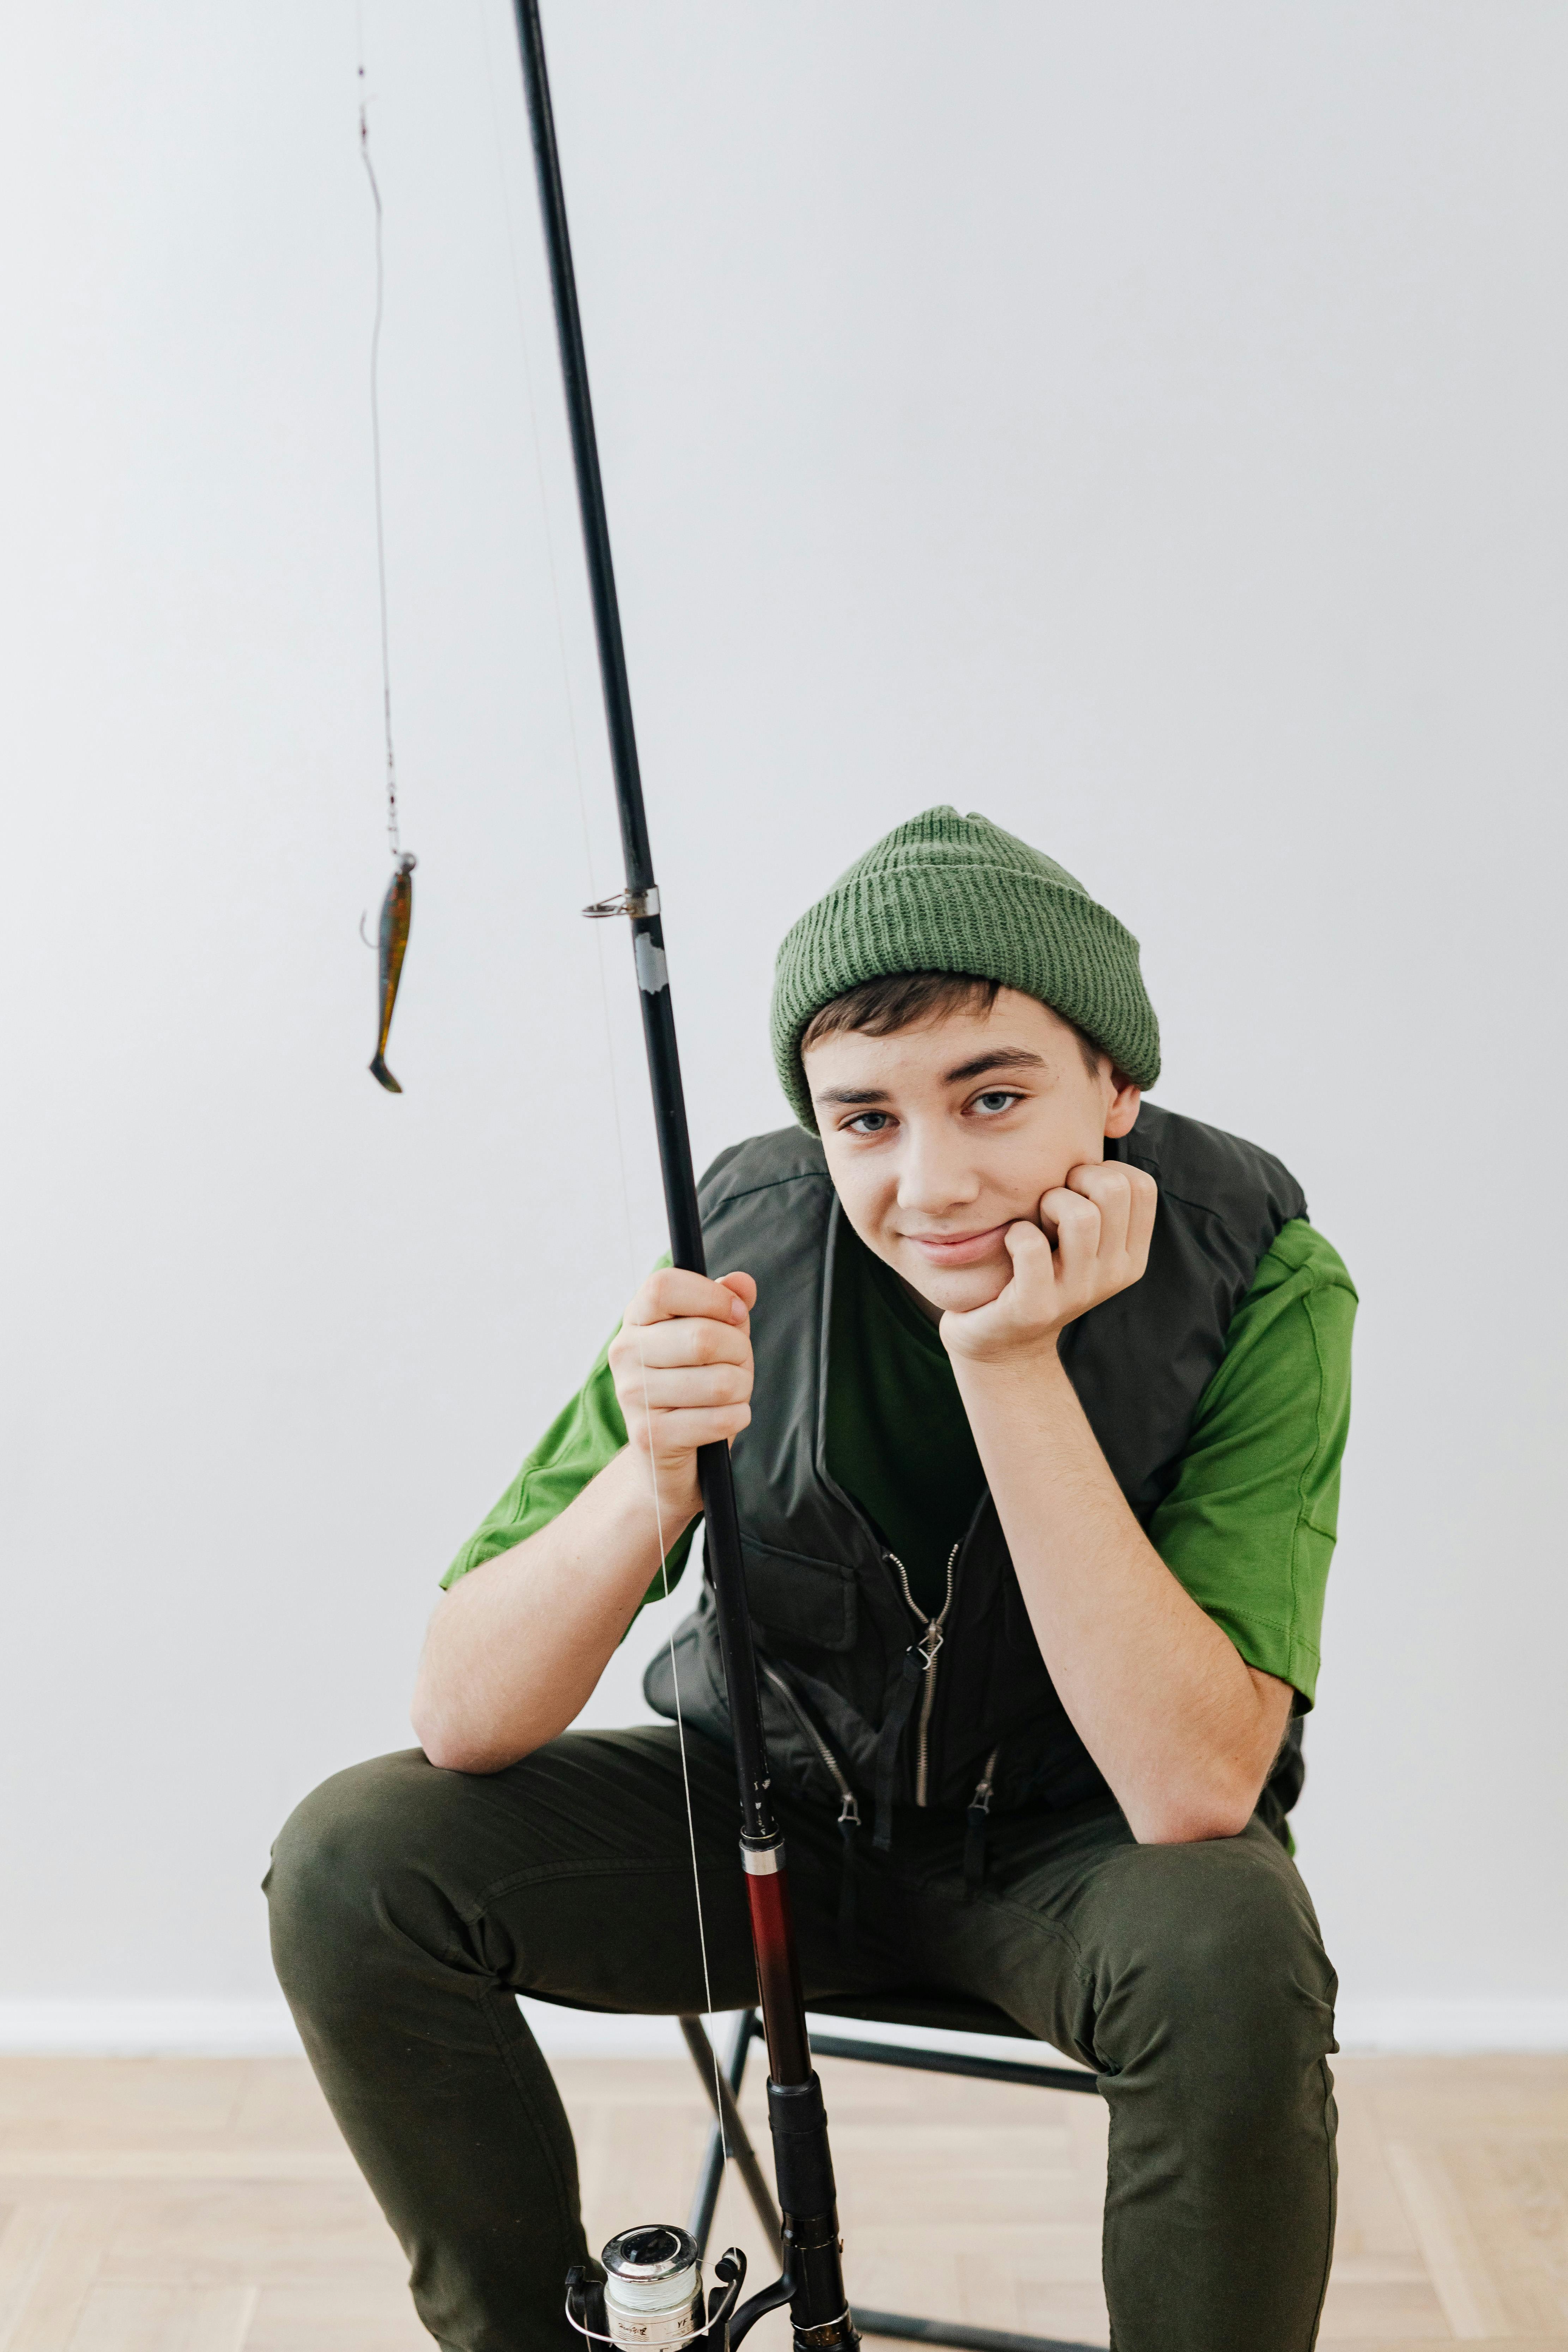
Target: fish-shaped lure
[[396, 913]]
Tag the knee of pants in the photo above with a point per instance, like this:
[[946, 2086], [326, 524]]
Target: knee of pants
[[1221, 1979], [348, 1892]]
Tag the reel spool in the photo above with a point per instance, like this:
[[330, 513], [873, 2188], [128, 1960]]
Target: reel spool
[[653, 2288], [646, 2295]]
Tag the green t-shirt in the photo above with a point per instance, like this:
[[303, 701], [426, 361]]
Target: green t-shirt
[[1248, 1528]]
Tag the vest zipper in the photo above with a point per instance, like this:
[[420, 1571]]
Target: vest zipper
[[928, 1645], [975, 1822], [848, 1810], [848, 1813]]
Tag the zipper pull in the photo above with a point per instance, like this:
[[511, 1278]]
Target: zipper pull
[[977, 1822], [849, 1831], [928, 1640]]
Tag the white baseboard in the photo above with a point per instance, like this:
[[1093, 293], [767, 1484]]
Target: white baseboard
[[1417, 2026], [263, 2029], [148, 2029]]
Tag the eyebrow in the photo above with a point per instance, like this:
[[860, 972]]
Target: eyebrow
[[1009, 1057]]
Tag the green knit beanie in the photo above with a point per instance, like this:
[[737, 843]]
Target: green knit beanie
[[951, 893]]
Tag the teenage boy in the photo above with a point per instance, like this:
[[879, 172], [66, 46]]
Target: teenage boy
[[1038, 1478]]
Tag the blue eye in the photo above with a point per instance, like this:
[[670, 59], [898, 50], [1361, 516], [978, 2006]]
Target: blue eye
[[869, 1122], [998, 1100]]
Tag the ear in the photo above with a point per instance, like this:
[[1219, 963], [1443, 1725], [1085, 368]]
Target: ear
[[1121, 1111]]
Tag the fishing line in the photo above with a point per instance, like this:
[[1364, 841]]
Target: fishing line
[[398, 906], [632, 1260], [392, 828]]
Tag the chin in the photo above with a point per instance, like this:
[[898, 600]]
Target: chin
[[961, 1289]]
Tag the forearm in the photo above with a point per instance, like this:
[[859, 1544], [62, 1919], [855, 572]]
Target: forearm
[[516, 1648], [1181, 1728]]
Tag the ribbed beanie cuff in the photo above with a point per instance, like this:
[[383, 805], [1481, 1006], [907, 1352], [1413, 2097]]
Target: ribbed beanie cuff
[[951, 893]]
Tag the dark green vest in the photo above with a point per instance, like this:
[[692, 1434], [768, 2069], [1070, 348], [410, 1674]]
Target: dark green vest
[[833, 1631]]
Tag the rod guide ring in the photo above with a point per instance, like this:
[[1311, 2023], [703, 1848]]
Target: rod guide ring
[[637, 904]]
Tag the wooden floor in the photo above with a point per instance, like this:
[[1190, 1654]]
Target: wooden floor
[[166, 2205]]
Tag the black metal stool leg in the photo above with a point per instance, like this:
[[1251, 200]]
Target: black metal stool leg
[[953, 2331], [711, 2178], [721, 2085]]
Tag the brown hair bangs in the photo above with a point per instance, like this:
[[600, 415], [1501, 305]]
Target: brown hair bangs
[[906, 1000]]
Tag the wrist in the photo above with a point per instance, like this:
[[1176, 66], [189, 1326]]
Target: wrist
[[676, 1509], [666, 1492], [1032, 1356], [1030, 1380]]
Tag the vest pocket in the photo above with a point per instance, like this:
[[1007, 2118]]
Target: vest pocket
[[799, 1597]]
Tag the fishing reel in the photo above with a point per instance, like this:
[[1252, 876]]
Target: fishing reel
[[646, 2295]]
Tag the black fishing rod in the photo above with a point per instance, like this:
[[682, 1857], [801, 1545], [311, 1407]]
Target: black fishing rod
[[813, 2280]]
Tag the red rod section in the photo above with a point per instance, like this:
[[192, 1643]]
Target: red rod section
[[778, 1968]]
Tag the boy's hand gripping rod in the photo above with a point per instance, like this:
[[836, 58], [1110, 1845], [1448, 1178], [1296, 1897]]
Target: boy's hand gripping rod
[[814, 2277]]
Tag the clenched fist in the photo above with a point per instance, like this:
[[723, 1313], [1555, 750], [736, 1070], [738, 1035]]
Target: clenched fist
[[682, 1366]]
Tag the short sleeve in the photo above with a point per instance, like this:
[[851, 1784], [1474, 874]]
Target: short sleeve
[[576, 1446], [1249, 1527]]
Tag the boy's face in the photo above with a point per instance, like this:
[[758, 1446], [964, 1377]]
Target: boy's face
[[941, 1137]]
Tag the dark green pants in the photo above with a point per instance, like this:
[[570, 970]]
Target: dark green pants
[[410, 1904]]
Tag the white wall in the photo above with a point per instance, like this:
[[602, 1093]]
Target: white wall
[[1142, 422]]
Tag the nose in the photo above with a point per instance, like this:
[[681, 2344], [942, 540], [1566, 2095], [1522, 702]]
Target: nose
[[936, 1174]]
